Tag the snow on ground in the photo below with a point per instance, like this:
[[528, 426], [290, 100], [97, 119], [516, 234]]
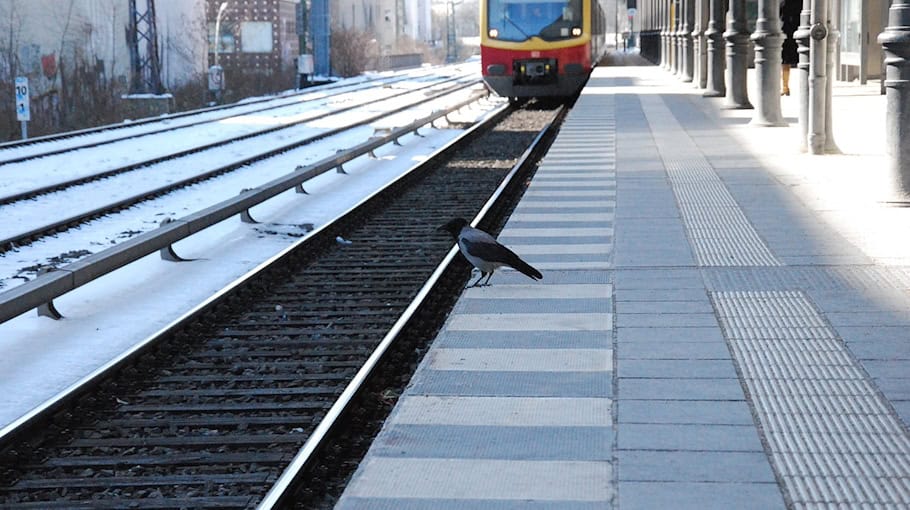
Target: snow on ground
[[40, 357]]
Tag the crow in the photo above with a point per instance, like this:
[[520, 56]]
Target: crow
[[484, 252]]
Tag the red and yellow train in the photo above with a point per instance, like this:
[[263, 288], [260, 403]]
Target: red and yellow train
[[540, 48]]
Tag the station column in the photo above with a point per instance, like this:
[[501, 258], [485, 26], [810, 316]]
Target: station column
[[737, 39], [768, 42], [896, 43], [714, 35]]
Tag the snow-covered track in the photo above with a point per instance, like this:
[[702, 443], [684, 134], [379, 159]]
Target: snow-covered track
[[31, 193], [43, 146], [41, 291], [52, 226]]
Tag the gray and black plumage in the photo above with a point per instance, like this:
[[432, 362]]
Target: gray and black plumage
[[484, 252]]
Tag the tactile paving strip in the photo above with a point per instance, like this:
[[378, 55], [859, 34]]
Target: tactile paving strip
[[718, 230], [832, 438], [830, 278]]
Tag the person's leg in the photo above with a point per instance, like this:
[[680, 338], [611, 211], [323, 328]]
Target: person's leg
[[785, 75]]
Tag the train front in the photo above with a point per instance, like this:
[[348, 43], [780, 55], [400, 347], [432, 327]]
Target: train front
[[535, 48]]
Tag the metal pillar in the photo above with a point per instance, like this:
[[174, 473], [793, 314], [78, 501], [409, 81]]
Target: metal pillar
[[688, 57], [802, 70], [322, 37], [737, 39], [142, 40], [451, 40], [833, 37], [664, 24], [715, 82], [895, 41], [818, 77], [700, 72], [768, 40], [677, 39]]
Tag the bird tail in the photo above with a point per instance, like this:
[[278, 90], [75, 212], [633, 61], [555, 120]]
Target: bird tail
[[523, 267]]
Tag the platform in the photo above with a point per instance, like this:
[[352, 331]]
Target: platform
[[722, 323]]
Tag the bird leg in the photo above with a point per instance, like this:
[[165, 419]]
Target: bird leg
[[482, 274], [486, 283]]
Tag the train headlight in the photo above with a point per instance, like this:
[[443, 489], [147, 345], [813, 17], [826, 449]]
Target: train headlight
[[494, 33], [576, 31]]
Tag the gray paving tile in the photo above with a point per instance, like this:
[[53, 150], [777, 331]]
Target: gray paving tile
[[514, 384], [646, 349], [648, 254], [700, 306], [505, 443], [676, 369], [894, 388], [557, 224], [530, 322], [867, 318], [658, 320], [354, 503], [679, 389], [533, 258], [669, 437], [881, 369], [690, 411], [902, 407], [584, 305], [669, 334], [686, 466], [647, 295], [553, 276], [699, 496], [478, 479], [510, 240], [521, 360], [650, 279], [525, 339]]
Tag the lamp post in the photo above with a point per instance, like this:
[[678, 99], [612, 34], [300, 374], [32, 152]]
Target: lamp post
[[216, 72], [221, 9], [451, 45]]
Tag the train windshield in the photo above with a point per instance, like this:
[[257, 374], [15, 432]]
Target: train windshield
[[519, 20]]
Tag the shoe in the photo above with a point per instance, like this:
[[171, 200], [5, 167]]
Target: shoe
[[785, 92]]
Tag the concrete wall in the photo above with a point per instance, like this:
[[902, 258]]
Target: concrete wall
[[36, 36], [386, 19]]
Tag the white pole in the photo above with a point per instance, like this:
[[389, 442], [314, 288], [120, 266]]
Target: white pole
[[221, 10]]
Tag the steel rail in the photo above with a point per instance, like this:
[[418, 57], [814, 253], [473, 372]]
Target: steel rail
[[57, 186], [44, 413], [153, 132], [286, 485], [43, 289], [63, 224], [150, 120]]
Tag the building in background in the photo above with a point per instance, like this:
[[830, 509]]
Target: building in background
[[258, 41], [392, 22], [76, 58], [47, 39]]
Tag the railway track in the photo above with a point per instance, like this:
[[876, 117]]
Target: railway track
[[30, 229], [211, 413], [432, 91], [39, 147]]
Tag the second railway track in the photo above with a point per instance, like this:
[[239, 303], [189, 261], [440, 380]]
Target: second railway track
[[210, 415], [35, 223]]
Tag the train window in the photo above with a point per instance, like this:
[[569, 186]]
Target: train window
[[520, 20]]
